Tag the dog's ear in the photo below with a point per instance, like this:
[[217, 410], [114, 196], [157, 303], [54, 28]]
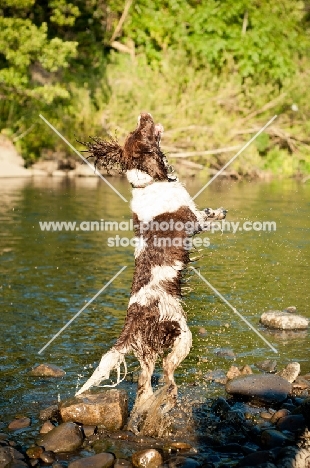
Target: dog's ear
[[137, 147], [107, 153]]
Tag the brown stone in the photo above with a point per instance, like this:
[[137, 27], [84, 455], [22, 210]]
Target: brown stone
[[48, 457], [246, 370], [233, 372], [66, 437], [101, 460], [34, 452], [89, 430], [149, 458], [19, 423], [279, 414], [51, 412], [108, 409], [291, 371], [47, 370], [47, 426]]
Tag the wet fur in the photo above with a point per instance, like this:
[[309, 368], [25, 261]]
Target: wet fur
[[155, 323]]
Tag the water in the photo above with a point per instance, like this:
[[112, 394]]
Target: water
[[47, 277]]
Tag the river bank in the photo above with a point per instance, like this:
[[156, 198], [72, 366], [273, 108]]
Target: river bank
[[61, 165], [266, 428]]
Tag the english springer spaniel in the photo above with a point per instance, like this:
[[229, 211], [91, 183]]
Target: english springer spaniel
[[165, 218]]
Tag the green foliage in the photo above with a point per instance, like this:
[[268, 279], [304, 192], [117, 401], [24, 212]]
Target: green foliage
[[246, 37], [199, 64]]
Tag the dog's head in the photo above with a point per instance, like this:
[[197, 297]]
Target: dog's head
[[141, 150]]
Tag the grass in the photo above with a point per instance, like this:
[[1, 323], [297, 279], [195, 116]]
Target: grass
[[199, 111]]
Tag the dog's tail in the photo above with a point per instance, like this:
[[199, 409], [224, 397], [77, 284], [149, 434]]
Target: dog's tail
[[113, 359]]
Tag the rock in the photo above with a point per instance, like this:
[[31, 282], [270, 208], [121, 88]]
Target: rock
[[246, 370], [11, 458], [266, 416], [5, 458], [279, 414], [233, 372], [220, 407], [202, 331], [267, 388], [19, 423], [89, 430], [283, 320], [34, 452], [51, 412], [292, 423], [291, 372], [122, 463], [101, 460], [269, 365], [291, 310], [217, 376], [109, 409], [48, 457], [301, 384], [182, 446], [272, 438], [257, 458], [47, 427], [185, 462], [225, 352], [305, 410], [47, 370], [34, 461], [66, 437], [149, 458]]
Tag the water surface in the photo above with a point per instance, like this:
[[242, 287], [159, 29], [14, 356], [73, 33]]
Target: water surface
[[46, 278]]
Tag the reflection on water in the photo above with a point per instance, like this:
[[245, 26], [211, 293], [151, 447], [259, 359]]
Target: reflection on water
[[46, 277]]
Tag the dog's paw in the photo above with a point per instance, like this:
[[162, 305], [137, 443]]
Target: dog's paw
[[213, 215]]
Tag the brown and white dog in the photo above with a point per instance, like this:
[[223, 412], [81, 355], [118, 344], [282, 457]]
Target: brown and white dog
[[165, 218]]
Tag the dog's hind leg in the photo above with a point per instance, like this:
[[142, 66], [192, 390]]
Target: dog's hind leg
[[145, 394], [180, 350]]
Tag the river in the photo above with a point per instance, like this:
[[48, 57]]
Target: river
[[48, 276]]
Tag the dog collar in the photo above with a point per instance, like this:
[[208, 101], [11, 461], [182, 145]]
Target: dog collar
[[152, 182], [144, 185]]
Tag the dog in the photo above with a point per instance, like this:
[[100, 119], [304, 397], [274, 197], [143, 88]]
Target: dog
[[165, 219]]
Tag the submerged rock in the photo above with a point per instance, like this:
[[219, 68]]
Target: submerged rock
[[66, 437], [283, 320], [109, 408], [19, 423], [267, 388], [47, 370], [149, 458], [268, 365], [101, 460], [217, 376]]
